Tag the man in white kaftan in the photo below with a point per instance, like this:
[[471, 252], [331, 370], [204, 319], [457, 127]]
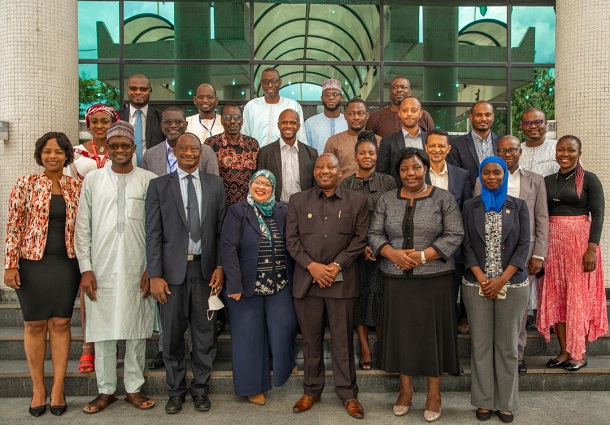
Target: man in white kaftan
[[111, 251], [261, 114]]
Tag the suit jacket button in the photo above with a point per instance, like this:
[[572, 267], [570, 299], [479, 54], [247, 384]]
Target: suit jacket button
[[325, 236], [503, 246]]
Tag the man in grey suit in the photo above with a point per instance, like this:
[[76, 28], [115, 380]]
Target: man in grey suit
[[410, 135], [184, 214], [530, 187], [290, 161], [161, 160], [469, 150]]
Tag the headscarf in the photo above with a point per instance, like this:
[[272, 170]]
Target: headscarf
[[263, 208], [494, 199], [101, 107]]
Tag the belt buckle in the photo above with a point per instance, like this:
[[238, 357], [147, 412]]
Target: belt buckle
[[190, 257]]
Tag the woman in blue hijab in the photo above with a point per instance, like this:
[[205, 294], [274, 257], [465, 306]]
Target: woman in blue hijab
[[494, 287], [258, 281]]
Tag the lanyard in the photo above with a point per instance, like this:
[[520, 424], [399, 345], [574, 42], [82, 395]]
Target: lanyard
[[99, 161], [171, 165], [211, 127]]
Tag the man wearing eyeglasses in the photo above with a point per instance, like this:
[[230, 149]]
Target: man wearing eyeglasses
[[144, 118], [342, 145], [538, 150], [261, 114], [235, 154], [206, 123], [530, 187], [160, 159], [329, 122], [409, 136], [386, 121]]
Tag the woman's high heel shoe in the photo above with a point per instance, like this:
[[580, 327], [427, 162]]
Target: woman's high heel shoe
[[38, 410], [60, 409]]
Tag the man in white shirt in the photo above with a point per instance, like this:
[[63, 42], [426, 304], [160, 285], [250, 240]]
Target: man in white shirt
[[145, 119], [261, 114], [207, 122], [538, 150], [331, 121], [290, 161]]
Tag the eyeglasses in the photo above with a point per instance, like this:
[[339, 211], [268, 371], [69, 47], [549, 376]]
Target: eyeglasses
[[123, 146], [236, 117], [511, 151], [356, 114], [174, 122], [403, 88], [332, 94], [273, 81], [262, 183], [142, 89], [530, 123]]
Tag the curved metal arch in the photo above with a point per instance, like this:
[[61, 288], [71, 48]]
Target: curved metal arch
[[148, 15], [143, 33], [368, 34], [325, 76], [311, 36], [484, 34], [292, 21], [480, 21], [264, 14], [315, 49]]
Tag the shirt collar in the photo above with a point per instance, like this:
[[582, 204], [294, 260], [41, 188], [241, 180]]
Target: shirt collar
[[282, 144], [225, 142], [405, 134], [133, 110], [443, 171], [478, 138], [338, 192], [182, 174]]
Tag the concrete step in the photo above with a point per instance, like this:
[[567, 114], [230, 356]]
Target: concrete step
[[11, 345], [15, 380]]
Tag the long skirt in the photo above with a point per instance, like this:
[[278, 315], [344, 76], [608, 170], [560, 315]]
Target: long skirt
[[569, 295]]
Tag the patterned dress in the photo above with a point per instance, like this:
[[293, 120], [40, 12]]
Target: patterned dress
[[369, 307]]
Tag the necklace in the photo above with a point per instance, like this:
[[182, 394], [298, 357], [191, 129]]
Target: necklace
[[556, 197], [418, 193]]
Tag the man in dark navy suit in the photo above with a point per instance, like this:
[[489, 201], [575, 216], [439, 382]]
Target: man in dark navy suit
[[469, 150]]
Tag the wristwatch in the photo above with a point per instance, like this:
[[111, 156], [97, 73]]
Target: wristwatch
[[423, 257], [337, 264]]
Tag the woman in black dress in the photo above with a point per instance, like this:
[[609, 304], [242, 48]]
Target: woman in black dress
[[40, 264], [369, 308]]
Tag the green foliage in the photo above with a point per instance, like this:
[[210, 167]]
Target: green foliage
[[91, 91], [538, 94]]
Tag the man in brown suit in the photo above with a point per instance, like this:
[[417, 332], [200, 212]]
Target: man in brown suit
[[325, 233]]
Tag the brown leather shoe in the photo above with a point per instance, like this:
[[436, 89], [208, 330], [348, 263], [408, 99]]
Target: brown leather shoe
[[305, 403], [354, 408]]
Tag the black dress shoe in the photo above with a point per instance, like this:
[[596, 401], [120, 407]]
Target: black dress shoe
[[506, 417], [58, 410], [555, 364], [174, 404], [522, 367], [157, 362], [38, 410], [573, 368], [221, 324], [460, 371], [483, 416], [202, 403]]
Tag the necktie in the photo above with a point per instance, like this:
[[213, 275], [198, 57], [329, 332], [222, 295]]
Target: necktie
[[193, 211], [138, 136]]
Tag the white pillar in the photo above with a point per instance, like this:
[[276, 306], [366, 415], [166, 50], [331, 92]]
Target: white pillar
[[39, 83]]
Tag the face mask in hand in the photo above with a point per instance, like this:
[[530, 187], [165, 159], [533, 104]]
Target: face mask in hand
[[214, 304]]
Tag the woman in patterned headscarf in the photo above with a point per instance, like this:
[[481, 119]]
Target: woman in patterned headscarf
[[258, 273], [90, 156], [495, 288]]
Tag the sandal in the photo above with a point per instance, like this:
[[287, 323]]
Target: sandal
[[139, 401], [365, 365], [99, 403], [87, 363]]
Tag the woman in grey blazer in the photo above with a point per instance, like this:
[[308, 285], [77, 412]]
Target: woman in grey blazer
[[415, 232], [495, 249]]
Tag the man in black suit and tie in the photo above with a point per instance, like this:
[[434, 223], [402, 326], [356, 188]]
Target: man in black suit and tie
[[290, 161], [469, 150], [184, 214], [410, 135], [145, 119]]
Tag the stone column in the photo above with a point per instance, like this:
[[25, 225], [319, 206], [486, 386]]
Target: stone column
[[39, 80], [582, 40]]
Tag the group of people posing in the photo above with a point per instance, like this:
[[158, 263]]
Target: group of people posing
[[346, 220]]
